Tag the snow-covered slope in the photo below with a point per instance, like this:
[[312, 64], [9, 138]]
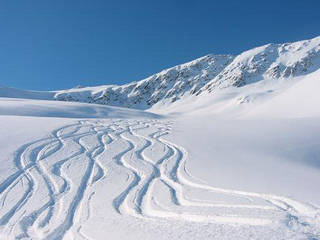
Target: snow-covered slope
[[272, 98], [272, 61], [45, 108], [301, 100], [126, 174], [233, 155]]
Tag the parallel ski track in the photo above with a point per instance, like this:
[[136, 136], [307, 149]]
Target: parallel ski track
[[36, 176]]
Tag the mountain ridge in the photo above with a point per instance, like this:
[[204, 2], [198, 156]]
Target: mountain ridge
[[204, 75]]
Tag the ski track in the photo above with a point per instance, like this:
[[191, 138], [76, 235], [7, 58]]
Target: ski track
[[52, 204]]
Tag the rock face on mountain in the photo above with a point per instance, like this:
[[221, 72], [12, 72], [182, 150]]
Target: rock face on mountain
[[170, 84], [272, 61]]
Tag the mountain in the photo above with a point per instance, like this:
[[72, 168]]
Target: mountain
[[170, 84], [206, 75], [272, 61], [250, 76]]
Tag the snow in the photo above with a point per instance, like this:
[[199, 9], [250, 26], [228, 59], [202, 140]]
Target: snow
[[232, 162], [304, 95], [43, 108]]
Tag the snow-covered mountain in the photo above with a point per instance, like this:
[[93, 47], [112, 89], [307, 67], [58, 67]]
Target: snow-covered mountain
[[226, 148], [196, 79], [205, 75], [272, 61], [170, 84]]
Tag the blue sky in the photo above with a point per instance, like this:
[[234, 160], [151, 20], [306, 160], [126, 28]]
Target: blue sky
[[47, 45]]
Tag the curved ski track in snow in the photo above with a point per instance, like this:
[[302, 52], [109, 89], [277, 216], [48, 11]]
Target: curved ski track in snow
[[49, 196]]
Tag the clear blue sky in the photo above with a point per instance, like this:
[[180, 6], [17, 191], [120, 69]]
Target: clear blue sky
[[56, 44]]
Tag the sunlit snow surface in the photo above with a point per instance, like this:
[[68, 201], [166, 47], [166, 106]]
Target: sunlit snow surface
[[236, 163], [131, 176]]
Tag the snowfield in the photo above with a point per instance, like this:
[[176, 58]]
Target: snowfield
[[235, 161]]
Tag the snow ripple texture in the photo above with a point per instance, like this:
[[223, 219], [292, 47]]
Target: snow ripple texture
[[129, 167]]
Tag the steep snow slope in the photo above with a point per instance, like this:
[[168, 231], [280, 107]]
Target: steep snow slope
[[297, 96], [302, 100], [272, 61]]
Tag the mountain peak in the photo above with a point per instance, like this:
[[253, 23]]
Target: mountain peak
[[271, 61]]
